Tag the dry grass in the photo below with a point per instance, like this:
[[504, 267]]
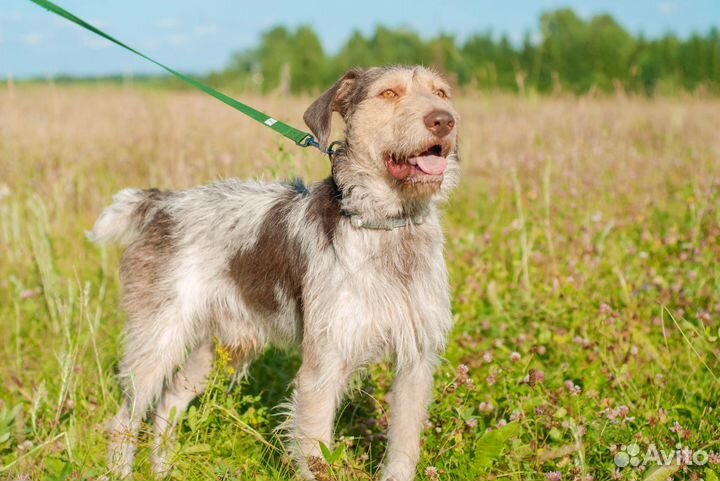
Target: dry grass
[[577, 220]]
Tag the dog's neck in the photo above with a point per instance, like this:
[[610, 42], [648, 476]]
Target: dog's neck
[[370, 201]]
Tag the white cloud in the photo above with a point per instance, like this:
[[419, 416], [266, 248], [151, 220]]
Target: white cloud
[[167, 22], [98, 22], [205, 29], [62, 23], [33, 39], [666, 8], [94, 43], [12, 17], [584, 12], [151, 45], [176, 39], [536, 38]]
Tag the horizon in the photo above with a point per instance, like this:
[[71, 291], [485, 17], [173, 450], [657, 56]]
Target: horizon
[[35, 44]]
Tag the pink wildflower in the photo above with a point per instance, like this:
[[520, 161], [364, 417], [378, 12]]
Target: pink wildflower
[[432, 473]]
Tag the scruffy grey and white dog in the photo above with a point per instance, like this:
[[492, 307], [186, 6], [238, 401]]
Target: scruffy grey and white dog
[[351, 270]]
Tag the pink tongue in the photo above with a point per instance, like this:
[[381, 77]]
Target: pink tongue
[[432, 164]]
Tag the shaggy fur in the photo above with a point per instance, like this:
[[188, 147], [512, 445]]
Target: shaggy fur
[[252, 264]]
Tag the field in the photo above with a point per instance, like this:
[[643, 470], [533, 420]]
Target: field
[[583, 248]]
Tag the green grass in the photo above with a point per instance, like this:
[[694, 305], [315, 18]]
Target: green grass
[[583, 250]]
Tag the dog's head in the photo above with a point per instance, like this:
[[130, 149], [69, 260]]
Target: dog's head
[[401, 131]]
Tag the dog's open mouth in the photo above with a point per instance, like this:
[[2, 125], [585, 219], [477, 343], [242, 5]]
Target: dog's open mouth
[[430, 163]]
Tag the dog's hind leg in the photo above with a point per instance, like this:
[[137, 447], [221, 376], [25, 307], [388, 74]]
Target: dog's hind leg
[[188, 383], [154, 349]]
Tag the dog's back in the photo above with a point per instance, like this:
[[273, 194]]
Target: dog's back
[[193, 253], [133, 210]]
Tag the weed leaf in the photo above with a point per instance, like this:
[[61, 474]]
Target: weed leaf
[[491, 444]]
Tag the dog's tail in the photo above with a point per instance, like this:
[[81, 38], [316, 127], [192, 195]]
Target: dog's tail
[[125, 218]]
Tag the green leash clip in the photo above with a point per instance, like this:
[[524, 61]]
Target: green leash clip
[[303, 139]]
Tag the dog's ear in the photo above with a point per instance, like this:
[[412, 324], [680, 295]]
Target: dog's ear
[[319, 115]]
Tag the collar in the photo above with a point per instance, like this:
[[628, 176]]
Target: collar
[[391, 223], [388, 224]]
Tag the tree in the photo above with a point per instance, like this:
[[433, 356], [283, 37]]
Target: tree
[[308, 66], [577, 54], [275, 45], [357, 52]]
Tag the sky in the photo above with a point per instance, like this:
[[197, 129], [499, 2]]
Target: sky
[[199, 36]]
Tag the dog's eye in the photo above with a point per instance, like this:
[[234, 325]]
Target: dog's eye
[[441, 93], [388, 94]]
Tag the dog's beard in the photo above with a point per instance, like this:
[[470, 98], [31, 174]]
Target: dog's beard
[[418, 188]]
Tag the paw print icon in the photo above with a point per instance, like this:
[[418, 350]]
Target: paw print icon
[[627, 456]]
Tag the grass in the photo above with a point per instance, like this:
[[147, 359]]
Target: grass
[[583, 249]]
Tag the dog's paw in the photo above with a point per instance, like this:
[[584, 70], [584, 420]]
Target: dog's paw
[[317, 469], [398, 472]]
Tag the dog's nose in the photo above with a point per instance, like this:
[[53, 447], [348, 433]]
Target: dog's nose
[[439, 122]]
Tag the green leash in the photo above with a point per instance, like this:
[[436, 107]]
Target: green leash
[[303, 139]]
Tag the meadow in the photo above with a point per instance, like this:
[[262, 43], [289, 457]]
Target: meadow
[[583, 248]]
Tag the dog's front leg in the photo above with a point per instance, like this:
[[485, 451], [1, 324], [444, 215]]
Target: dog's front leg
[[320, 384], [410, 396]]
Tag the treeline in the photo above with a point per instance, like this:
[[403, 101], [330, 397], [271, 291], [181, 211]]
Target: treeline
[[569, 54]]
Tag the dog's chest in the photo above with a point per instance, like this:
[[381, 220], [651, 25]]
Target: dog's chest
[[399, 256], [387, 291]]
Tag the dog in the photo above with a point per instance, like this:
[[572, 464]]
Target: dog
[[350, 270]]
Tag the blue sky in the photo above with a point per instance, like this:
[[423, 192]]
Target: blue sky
[[197, 36]]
